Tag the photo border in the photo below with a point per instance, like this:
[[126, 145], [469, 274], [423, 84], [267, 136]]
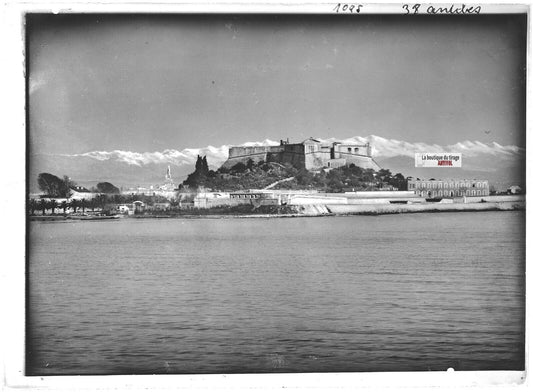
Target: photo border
[[13, 270]]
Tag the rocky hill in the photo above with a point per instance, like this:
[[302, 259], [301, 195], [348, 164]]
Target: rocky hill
[[277, 176]]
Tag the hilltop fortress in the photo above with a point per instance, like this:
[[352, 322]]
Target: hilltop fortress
[[310, 154]]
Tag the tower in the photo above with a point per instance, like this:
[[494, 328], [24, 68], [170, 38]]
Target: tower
[[368, 149]]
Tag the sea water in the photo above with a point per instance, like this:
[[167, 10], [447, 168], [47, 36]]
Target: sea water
[[410, 292]]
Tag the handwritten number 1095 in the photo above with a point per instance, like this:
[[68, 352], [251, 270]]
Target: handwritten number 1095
[[347, 8]]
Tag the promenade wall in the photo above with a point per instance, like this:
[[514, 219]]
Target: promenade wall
[[381, 194], [498, 198], [369, 209]]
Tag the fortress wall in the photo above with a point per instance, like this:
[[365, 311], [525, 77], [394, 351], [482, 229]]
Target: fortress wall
[[361, 161], [288, 153], [336, 163], [276, 149], [295, 155], [255, 153], [242, 151], [256, 158], [317, 160], [296, 159]]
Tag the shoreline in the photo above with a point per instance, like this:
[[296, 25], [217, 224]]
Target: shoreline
[[316, 210], [386, 209]]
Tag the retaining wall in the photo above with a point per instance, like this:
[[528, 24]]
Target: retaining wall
[[429, 207]]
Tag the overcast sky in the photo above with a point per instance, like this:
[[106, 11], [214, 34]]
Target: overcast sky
[[148, 83]]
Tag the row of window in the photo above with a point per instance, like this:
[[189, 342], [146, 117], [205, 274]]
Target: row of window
[[453, 185], [456, 193], [245, 196], [355, 150], [314, 148]]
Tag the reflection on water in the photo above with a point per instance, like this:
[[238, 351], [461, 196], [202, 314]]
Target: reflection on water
[[361, 293]]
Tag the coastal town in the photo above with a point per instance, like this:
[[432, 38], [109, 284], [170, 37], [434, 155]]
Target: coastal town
[[310, 178]]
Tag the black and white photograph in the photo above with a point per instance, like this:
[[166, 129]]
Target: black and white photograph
[[275, 193]]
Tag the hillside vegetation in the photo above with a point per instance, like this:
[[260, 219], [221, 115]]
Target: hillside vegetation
[[262, 174]]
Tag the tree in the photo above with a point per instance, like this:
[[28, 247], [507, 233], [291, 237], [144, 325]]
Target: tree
[[199, 176], [107, 187], [174, 202], [64, 206], [50, 184], [334, 181], [384, 175], [399, 182], [304, 178], [198, 164], [368, 175], [32, 205], [92, 204], [355, 170], [53, 205], [100, 201], [66, 186], [118, 199], [201, 165], [74, 204], [239, 167], [43, 205], [54, 186]]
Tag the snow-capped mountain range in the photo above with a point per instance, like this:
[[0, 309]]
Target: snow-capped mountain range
[[500, 164]]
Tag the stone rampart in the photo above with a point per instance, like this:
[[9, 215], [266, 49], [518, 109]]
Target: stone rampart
[[295, 158], [311, 156], [361, 161]]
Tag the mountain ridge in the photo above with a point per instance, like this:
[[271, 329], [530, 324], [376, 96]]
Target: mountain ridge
[[129, 168]]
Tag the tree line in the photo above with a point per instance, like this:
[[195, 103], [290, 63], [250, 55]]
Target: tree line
[[53, 186], [74, 204], [102, 202]]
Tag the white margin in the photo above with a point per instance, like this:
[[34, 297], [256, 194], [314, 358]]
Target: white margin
[[12, 202]]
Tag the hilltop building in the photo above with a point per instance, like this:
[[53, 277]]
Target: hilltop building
[[448, 188], [311, 154]]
